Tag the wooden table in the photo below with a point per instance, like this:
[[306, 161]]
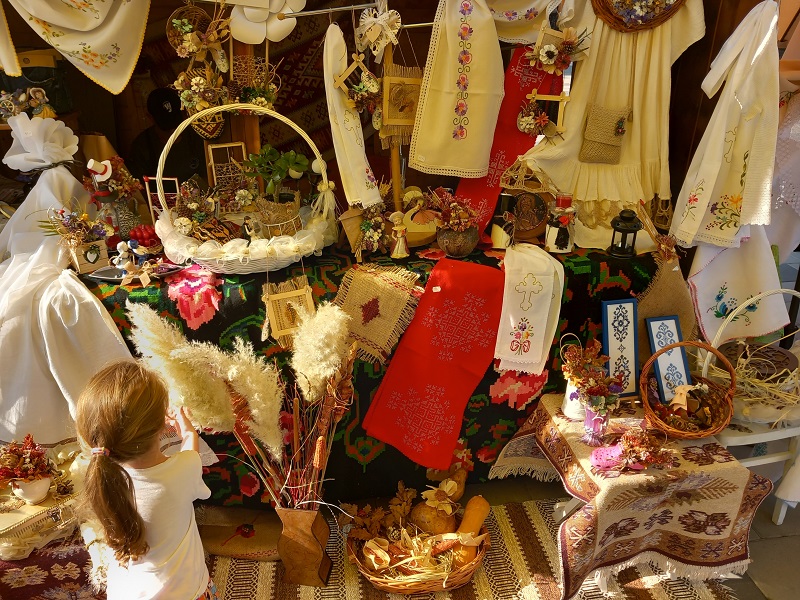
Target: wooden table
[[691, 518]]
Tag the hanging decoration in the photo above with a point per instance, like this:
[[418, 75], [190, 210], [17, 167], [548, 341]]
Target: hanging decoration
[[635, 15], [252, 24], [377, 28], [254, 80]]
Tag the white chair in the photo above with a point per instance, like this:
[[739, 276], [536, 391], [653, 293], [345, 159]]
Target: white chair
[[741, 433]]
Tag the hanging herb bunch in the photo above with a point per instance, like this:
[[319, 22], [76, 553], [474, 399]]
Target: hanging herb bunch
[[557, 57]]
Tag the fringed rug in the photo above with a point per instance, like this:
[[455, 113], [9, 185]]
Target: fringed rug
[[522, 563], [521, 456], [381, 302]]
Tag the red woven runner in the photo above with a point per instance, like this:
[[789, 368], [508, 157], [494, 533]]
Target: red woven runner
[[442, 356], [509, 142]]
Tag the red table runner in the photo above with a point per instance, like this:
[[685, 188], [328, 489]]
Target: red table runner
[[441, 358]]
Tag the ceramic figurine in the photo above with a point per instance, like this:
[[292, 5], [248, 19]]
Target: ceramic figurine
[[399, 231]]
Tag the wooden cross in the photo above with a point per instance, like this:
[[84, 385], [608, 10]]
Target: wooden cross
[[340, 81]]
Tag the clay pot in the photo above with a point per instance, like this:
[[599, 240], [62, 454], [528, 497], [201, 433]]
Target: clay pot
[[457, 244]]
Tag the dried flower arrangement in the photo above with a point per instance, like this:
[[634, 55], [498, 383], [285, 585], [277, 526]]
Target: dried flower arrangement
[[238, 391], [556, 58], [24, 462], [453, 213], [374, 236], [75, 226], [585, 369], [121, 186], [534, 120], [366, 94]]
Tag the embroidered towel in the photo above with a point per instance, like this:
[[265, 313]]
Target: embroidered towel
[[461, 92], [441, 358], [509, 142], [531, 305], [102, 39], [358, 181], [519, 21], [722, 279]]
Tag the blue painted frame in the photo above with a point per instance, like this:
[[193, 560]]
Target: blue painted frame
[[652, 322], [634, 330]]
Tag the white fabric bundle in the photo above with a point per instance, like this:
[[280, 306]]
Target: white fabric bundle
[[358, 181], [102, 39], [54, 333], [461, 92], [531, 304], [519, 21]]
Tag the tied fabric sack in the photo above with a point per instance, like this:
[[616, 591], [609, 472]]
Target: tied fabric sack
[[442, 357]]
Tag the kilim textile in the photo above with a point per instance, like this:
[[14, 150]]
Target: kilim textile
[[381, 303], [518, 564], [361, 466], [439, 363], [693, 515]]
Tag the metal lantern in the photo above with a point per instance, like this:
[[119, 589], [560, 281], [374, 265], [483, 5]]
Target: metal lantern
[[623, 240]]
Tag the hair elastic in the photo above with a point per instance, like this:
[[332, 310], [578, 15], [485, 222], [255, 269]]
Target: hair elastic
[[100, 450]]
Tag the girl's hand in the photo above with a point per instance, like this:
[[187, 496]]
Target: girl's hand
[[186, 430]]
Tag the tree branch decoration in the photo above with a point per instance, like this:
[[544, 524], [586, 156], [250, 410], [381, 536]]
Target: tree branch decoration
[[239, 391]]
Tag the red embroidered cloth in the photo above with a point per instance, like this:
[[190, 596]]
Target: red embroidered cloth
[[442, 356], [509, 142]]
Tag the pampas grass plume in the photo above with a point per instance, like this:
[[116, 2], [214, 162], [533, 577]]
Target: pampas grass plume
[[320, 347], [257, 382], [204, 391]]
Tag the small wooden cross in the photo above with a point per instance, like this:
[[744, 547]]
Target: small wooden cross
[[339, 81]]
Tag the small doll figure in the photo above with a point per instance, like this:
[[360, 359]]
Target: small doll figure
[[400, 249], [139, 252], [123, 257], [250, 229], [38, 101]]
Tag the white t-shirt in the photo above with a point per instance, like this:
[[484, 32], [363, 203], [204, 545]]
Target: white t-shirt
[[174, 567]]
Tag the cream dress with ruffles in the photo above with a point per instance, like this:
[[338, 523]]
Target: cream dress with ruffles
[[632, 68]]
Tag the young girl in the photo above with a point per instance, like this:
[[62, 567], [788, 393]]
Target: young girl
[[142, 499]]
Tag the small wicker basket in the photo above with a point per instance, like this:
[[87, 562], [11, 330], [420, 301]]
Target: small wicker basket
[[720, 398], [453, 580], [608, 13]]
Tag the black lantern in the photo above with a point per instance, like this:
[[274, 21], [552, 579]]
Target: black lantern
[[623, 240]]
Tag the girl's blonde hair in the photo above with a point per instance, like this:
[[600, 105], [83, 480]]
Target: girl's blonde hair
[[122, 410]]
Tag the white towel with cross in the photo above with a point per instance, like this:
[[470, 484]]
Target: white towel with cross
[[531, 305]]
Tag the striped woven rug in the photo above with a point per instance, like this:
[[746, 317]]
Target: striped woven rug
[[521, 563]]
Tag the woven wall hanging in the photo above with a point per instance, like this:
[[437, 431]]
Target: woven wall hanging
[[624, 15]]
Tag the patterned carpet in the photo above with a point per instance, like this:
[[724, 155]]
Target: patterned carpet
[[521, 564]]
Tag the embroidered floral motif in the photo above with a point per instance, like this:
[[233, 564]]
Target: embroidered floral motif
[[723, 307], [696, 521], [662, 518], [370, 182], [727, 211], [465, 31], [707, 454], [620, 323], [521, 335], [83, 6], [620, 529], [692, 200], [515, 15]]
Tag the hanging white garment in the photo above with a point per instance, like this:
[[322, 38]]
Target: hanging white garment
[[723, 278], [54, 333], [519, 21], [534, 282], [462, 88], [358, 181], [729, 181], [102, 39], [632, 69]]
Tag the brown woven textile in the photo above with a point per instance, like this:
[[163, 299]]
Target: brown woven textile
[[519, 564], [618, 14], [601, 144], [381, 302]]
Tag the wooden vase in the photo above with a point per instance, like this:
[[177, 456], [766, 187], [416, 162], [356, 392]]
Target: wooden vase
[[351, 221], [457, 244], [301, 546]]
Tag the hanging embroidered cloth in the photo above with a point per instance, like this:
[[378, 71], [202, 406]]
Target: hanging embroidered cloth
[[519, 21], [723, 278], [442, 356], [102, 39], [531, 304], [481, 193], [381, 303], [358, 181], [730, 178], [461, 92]]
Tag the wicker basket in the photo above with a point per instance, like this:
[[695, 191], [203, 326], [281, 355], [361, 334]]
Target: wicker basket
[[719, 397], [243, 264], [607, 12], [453, 580], [197, 17]]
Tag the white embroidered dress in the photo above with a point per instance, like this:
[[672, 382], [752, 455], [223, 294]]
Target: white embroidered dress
[[729, 181], [631, 68]]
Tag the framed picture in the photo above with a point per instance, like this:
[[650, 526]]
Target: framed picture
[[171, 191], [671, 368], [620, 342]]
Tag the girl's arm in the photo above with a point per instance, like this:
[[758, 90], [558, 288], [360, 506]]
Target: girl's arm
[[186, 430]]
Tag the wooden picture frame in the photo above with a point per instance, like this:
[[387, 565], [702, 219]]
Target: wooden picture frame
[[282, 316], [547, 35], [671, 368], [561, 99], [621, 341], [400, 99], [153, 203]]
